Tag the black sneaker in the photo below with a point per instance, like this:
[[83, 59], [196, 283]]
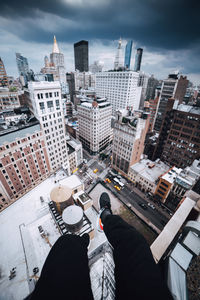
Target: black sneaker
[[104, 201], [105, 209], [86, 239]]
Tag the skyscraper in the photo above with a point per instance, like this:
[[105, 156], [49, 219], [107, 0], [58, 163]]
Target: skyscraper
[[172, 87], [81, 56], [118, 64], [127, 59], [47, 107], [120, 88], [57, 60], [3, 75], [23, 68], [138, 59], [151, 88]]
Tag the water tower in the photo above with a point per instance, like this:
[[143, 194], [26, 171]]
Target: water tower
[[73, 218], [62, 197]]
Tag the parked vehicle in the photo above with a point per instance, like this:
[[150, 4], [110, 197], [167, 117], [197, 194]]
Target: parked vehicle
[[108, 180], [117, 187], [143, 206]]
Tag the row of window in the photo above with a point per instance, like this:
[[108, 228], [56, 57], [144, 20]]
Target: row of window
[[47, 95]]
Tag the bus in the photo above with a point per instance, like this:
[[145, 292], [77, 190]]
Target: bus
[[116, 180], [121, 184]]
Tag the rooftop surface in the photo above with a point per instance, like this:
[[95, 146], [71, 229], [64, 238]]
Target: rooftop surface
[[89, 104], [189, 109], [43, 84], [72, 181], [19, 133], [21, 243], [144, 169]]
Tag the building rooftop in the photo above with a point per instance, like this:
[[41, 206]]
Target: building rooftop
[[43, 84], [18, 133], [189, 109], [72, 181], [73, 143], [99, 105], [21, 243], [150, 170], [171, 175]]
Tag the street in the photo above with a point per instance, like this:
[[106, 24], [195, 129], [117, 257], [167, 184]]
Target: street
[[128, 194]]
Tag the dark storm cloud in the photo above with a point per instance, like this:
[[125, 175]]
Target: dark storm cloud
[[172, 24]]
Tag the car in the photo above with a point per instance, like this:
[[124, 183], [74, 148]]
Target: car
[[151, 205], [117, 187], [129, 205], [143, 205], [108, 180], [95, 171]]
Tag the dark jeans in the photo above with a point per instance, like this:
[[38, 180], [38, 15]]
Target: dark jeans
[[65, 274]]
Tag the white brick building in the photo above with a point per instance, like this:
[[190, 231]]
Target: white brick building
[[120, 89], [47, 107], [94, 124]]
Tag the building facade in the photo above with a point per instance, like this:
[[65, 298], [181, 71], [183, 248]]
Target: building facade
[[47, 107], [127, 58], [151, 88], [120, 88], [3, 75], [84, 80], [81, 56], [71, 84], [181, 88], [142, 83], [138, 59], [23, 67], [182, 136], [57, 60], [118, 63], [8, 100], [94, 120], [153, 104], [185, 181], [24, 163], [128, 139], [165, 184], [96, 67], [75, 153], [173, 87]]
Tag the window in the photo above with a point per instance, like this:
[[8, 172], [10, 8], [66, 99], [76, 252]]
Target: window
[[50, 105], [47, 95], [41, 105], [57, 104]]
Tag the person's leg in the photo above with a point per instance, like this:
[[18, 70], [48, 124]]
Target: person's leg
[[136, 274], [65, 274]]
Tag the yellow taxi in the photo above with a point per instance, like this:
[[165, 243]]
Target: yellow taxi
[[108, 180], [75, 170], [95, 171], [117, 187]]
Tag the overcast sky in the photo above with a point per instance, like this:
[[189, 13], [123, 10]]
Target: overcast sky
[[168, 30]]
